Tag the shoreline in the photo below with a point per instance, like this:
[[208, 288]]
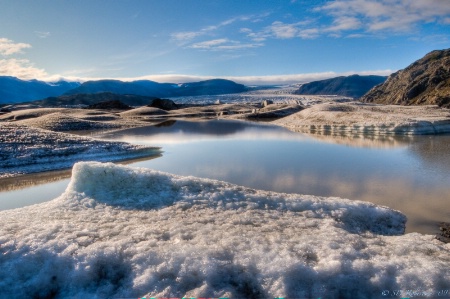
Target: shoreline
[[329, 118]]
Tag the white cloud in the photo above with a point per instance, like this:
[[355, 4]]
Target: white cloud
[[284, 31], [186, 36], [42, 34], [209, 44], [21, 68], [223, 44], [385, 15], [9, 47]]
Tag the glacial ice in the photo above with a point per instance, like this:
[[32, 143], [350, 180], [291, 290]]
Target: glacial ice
[[122, 232], [26, 150]]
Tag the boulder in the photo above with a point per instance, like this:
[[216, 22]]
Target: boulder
[[164, 104]]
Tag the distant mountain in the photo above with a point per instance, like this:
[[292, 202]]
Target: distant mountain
[[209, 87], [142, 88], [351, 86], [14, 90], [154, 89], [424, 82], [95, 98]]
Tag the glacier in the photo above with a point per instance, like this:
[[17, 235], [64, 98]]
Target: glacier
[[122, 232]]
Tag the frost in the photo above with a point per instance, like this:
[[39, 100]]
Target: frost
[[128, 232]]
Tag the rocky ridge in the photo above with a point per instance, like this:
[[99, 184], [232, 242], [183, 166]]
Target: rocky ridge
[[424, 82]]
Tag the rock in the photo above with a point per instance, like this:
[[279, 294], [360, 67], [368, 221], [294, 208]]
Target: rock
[[424, 82], [110, 105], [266, 103], [444, 235], [164, 104]]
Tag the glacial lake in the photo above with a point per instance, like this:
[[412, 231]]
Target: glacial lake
[[409, 174]]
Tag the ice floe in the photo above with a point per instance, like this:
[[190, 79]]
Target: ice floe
[[122, 232], [360, 118], [26, 150]]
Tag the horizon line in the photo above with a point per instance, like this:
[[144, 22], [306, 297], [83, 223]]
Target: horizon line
[[261, 80]]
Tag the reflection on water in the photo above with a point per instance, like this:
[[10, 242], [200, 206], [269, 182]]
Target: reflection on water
[[410, 174]]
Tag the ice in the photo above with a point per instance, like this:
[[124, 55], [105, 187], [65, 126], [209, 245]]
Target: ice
[[26, 150], [354, 118], [122, 232]]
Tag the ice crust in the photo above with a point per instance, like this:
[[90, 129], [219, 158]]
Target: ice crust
[[122, 232], [356, 118], [26, 150]]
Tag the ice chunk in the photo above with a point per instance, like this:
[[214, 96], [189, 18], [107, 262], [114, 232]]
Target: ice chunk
[[126, 232]]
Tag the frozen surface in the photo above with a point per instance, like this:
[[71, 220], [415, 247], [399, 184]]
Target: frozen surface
[[277, 95], [26, 150], [126, 232], [358, 118]]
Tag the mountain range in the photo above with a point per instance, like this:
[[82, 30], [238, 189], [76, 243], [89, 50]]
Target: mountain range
[[350, 86], [14, 90], [424, 82]]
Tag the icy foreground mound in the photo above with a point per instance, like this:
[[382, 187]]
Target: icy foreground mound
[[124, 232]]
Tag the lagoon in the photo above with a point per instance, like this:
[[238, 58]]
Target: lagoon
[[409, 174]]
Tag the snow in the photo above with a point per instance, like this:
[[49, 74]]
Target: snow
[[26, 150], [122, 232], [277, 95], [359, 118]]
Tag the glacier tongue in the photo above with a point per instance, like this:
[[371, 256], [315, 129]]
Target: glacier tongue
[[119, 231]]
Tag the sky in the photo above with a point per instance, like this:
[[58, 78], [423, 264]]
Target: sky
[[248, 41]]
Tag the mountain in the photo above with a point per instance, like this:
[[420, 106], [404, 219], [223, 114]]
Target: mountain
[[209, 87], [154, 89], [14, 90], [95, 98], [142, 88], [351, 86], [424, 82]]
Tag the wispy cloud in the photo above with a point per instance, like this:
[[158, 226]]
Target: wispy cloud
[[223, 44], [9, 47], [185, 36], [192, 39], [357, 19], [42, 34], [384, 15]]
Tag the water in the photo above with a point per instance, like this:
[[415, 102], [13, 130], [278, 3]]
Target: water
[[410, 174]]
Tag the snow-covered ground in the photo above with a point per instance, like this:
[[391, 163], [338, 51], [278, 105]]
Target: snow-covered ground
[[26, 150], [122, 232], [277, 95], [359, 118]]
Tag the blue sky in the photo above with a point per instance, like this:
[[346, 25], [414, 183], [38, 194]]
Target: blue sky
[[249, 41]]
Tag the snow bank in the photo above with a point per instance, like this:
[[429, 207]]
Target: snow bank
[[361, 119], [26, 150], [122, 232]]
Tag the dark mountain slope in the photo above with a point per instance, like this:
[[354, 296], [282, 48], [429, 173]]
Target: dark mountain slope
[[95, 98], [352, 86]]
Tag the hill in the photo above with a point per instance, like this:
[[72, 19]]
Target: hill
[[351, 86], [14, 90], [91, 99], [424, 82]]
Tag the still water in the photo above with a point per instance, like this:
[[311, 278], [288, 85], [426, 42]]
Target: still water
[[410, 174]]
